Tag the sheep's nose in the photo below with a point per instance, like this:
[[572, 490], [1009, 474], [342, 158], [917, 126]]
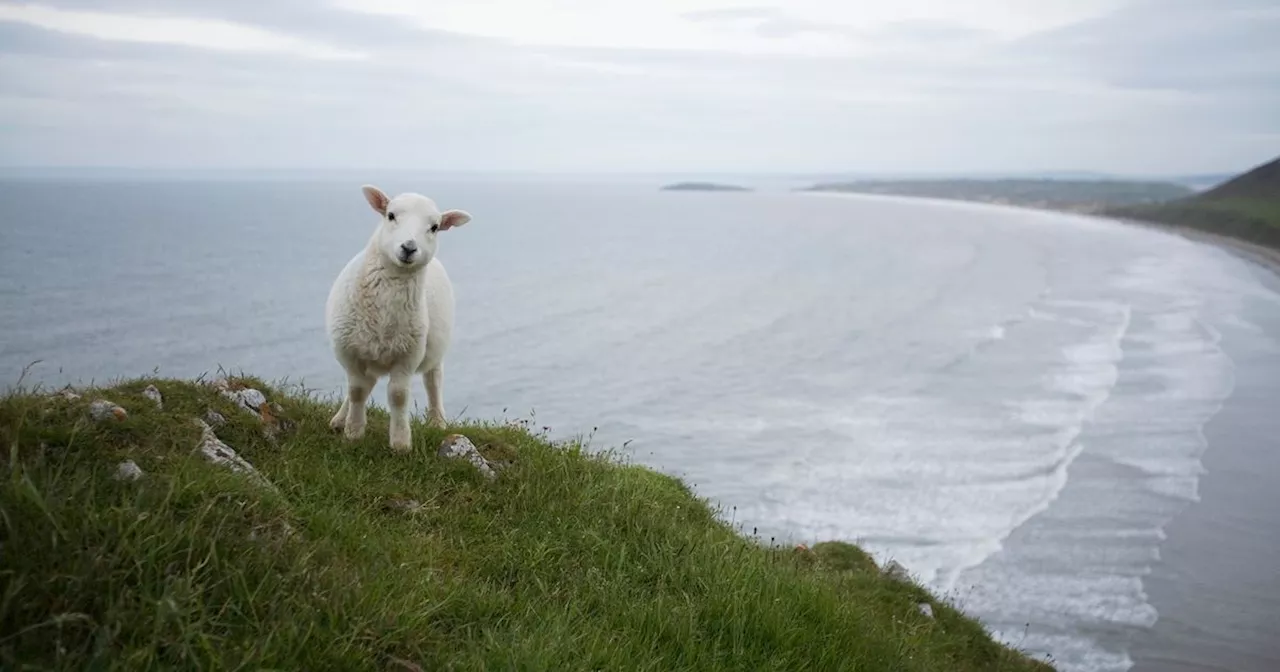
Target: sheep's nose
[[408, 247]]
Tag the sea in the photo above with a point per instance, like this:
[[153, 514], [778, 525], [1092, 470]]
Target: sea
[[1065, 425]]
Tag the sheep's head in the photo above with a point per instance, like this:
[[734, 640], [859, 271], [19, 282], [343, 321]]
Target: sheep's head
[[410, 222]]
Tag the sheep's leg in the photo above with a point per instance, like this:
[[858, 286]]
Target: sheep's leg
[[359, 388], [434, 381], [398, 402], [339, 421]]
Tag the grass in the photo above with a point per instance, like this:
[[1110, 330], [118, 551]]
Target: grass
[[1252, 220], [570, 560], [1246, 207]]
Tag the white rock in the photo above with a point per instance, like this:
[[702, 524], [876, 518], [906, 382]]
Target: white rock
[[218, 452], [106, 410], [153, 394], [214, 419], [459, 447], [897, 572], [249, 399], [128, 471], [926, 609], [255, 402]]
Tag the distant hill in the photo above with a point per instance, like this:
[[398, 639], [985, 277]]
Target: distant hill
[[1201, 182], [1075, 195], [703, 186], [1245, 207], [1260, 184]]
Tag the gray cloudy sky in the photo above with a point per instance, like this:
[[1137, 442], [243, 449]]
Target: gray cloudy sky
[[1141, 86]]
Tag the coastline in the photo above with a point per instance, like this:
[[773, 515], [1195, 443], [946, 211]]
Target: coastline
[[1211, 588], [1215, 585], [1268, 258], [1211, 597]]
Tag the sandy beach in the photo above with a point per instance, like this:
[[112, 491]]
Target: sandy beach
[[1217, 585], [1258, 254]]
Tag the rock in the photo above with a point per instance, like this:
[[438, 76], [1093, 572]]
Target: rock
[[218, 452], [926, 609], [68, 394], [403, 505], [153, 394], [249, 399], [246, 397], [274, 420], [897, 572], [128, 471], [105, 410], [214, 419], [459, 447], [254, 401], [279, 418]]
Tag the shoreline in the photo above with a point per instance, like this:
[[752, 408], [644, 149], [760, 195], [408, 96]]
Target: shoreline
[[1210, 587], [1266, 257], [1213, 587]]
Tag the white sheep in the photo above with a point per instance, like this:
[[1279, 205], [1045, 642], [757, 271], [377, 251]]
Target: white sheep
[[390, 313]]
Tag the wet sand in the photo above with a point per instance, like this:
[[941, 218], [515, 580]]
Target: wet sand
[[1217, 586], [1266, 257]]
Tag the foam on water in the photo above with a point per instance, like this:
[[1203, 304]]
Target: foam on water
[[936, 479], [1087, 373], [1144, 441], [941, 474]]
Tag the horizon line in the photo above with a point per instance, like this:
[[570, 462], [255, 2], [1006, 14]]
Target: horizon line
[[8, 170]]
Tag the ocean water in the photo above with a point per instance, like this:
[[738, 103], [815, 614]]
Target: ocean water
[[1012, 404]]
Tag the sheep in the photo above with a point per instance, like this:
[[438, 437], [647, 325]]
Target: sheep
[[390, 313]]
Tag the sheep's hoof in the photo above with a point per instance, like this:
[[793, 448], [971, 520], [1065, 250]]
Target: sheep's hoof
[[339, 422], [437, 420], [401, 444], [354, 433]]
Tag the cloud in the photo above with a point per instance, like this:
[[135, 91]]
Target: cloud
[[1126, 85], [766, 22], [201, 33], [1189, 46]]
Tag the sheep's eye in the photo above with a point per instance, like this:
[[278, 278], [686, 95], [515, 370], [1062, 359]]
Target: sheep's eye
[[435, 227], [391, 216]]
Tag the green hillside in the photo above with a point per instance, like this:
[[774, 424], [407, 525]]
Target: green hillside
[[1246, 207], [124, 545]]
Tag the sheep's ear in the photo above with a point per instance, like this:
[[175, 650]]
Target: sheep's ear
[[377, 199], [450, 219]]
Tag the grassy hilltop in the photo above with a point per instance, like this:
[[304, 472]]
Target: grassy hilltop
[[346, 556], [1246, 207]]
